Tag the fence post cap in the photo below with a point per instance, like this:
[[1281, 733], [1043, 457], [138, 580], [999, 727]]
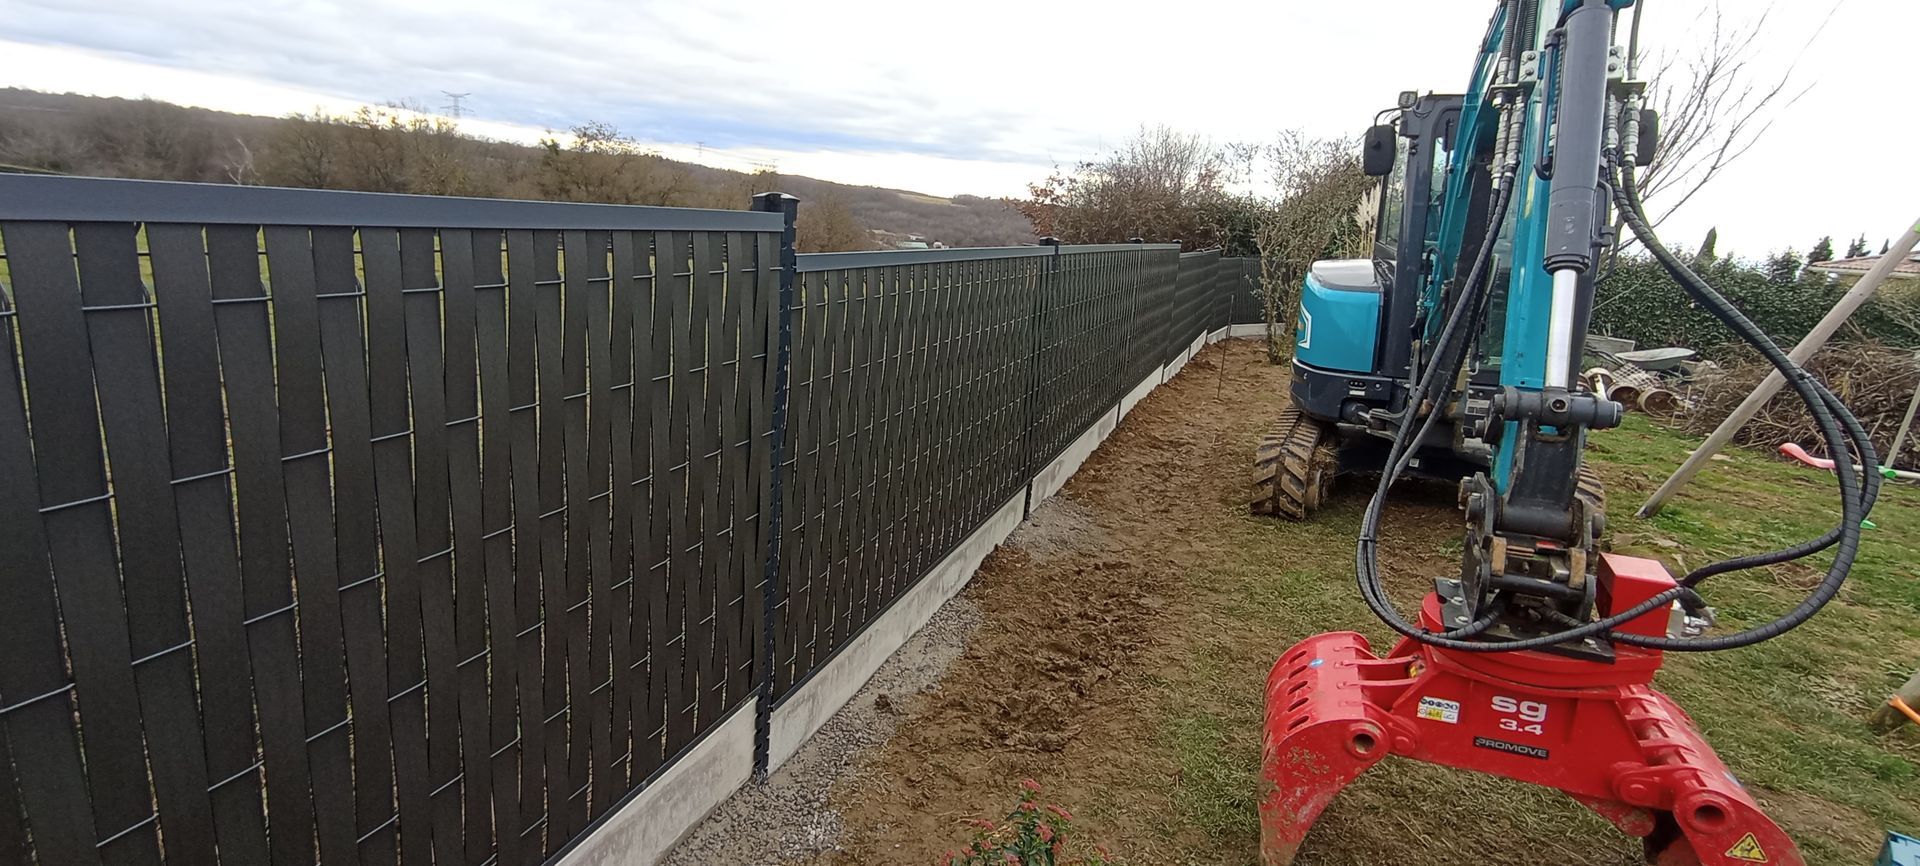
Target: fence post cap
[[1048, 241], [777, 202], [1136, 240]]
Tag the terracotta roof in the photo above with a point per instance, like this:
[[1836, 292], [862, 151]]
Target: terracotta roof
[[1861, 264]]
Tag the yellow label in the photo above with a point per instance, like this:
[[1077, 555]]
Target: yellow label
[[1748, 849]]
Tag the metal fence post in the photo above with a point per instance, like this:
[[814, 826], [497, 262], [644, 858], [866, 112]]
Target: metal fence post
[[789, 208], [1133, 298], [1034, 347]]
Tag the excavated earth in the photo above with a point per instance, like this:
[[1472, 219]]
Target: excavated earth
[[1115, 649]]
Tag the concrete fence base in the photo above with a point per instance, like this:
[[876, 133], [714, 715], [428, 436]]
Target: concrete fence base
[[645, 829]]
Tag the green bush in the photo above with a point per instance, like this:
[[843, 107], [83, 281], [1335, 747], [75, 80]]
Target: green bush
[[1638, 301]]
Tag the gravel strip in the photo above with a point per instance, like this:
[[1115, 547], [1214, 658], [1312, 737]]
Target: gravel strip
[[789, 818]]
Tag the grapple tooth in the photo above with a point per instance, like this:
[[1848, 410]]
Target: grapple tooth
[[1319, 736]]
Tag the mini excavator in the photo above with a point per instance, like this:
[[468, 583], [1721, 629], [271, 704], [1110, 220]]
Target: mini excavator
[[1452, 353]]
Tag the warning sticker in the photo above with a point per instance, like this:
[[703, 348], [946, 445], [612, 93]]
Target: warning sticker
[[1440, 710], [1748, 849]]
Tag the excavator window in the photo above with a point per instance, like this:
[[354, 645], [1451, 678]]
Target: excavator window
[[1393, 200]]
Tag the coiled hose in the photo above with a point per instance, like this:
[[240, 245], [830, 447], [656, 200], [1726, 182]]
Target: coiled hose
[[1840, 429]]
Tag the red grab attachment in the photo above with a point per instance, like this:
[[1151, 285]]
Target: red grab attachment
[[1593, 729]]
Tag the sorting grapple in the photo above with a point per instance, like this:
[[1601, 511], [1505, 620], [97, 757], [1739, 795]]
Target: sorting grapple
[[1596, 730]]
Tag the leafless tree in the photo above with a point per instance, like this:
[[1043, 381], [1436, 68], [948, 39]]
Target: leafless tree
[[238, 166], [304, 152], [1161, 185], [1715, 103], [826, 226], [147, 138], [1323, 207], [602, 164]]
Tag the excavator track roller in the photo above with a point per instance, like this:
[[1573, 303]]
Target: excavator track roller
[[1293, 467]]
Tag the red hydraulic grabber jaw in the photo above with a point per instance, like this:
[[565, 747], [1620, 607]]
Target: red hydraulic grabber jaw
[[1593, 729]]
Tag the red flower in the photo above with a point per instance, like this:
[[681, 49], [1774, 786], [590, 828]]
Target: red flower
[[1061, 812], [1046, 833], [982, 823], [1030, 785]]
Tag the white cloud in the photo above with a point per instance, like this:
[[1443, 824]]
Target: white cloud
[[976, 98]]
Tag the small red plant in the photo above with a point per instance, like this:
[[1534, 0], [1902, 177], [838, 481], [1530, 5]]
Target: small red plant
[[1030, 835]]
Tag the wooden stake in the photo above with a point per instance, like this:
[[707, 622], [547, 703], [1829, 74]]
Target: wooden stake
[[1886, 717], [1835, 317]]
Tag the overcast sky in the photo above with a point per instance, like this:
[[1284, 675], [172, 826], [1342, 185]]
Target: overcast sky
[[972, 97]]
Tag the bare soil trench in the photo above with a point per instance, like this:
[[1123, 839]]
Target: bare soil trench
[[1116, 649]]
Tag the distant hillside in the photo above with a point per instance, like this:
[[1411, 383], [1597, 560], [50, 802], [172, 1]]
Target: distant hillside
[[390, 151]]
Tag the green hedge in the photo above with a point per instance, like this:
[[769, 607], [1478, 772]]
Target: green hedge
[[1640, 302]]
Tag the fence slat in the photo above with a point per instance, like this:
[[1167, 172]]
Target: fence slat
[[836, 462], [621, 608], [197, 442], [524, 453], [763, 335], [705, 445], [75, 505], [119, 331], [637, 279], [361, 583], [304, 459], [421, 302], [577, 274], [548, 334], [495, 429], [391, 426], [458, 300], [743, 562], [246, 363], [596, 296], [52, 784], [663, 612], [683, 573]]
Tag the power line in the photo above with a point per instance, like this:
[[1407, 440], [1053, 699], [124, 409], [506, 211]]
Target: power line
[[453, 108]]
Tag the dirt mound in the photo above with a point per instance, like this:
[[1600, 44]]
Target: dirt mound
[[1094, 622], [1084, 612]]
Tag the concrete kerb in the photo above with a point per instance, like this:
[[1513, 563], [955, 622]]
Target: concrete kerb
[[806, 710], [1141, 390], [1054, 475], [646, 828]]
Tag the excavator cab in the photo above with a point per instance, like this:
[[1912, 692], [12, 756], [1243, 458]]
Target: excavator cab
[[1365, 323]]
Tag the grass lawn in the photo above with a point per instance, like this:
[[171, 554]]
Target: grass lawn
[[1137, 630], [1786, 715]]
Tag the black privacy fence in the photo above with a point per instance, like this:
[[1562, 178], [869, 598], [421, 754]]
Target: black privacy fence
[[347, 527]]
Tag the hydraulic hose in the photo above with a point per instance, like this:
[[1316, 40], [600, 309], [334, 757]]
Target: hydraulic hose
[[1839, 428], [1444, 367]]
